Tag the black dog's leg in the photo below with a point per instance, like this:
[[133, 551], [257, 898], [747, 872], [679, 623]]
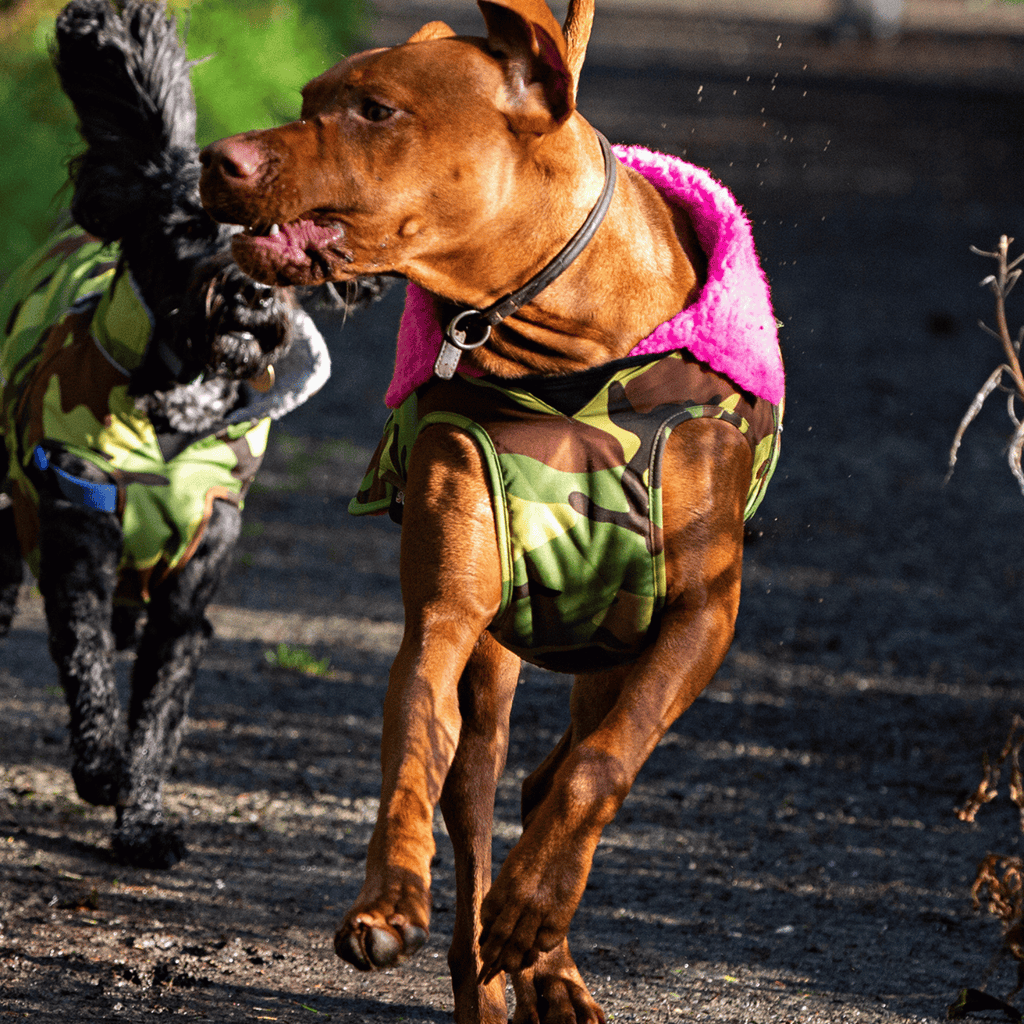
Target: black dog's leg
[[125, 625], [172, 644], [79, 550], [11, 569]]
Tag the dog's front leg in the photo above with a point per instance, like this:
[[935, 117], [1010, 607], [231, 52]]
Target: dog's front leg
[[551, 988], [451, 589], [619, 715], [79, 551], [169, 651]]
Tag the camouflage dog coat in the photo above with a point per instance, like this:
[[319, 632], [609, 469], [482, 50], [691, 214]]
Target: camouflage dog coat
[[577, 492], [73, 330]]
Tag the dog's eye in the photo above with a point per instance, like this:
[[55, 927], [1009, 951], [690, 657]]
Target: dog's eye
[[371, 110]]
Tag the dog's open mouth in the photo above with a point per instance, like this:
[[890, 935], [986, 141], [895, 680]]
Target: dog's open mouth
[[303, 252]]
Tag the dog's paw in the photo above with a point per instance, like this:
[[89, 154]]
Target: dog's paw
[[147, 844], [372, 947], [530, 905], [553, 989]]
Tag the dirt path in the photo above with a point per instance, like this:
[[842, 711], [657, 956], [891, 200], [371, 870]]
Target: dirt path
[[790, 852]]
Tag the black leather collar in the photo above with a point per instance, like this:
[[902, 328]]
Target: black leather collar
[[470, 328]]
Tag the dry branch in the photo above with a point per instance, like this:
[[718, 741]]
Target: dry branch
[[1003, 880], [1000, 879], [987, 791], [1001, 284]]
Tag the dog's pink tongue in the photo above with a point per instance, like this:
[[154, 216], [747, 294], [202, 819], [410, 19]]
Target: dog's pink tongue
[[293, 242]]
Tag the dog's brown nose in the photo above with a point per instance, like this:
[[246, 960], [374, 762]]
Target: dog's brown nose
[[236, 157]]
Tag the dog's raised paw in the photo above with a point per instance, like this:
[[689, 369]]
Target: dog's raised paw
[[148, 845], [370, 948]]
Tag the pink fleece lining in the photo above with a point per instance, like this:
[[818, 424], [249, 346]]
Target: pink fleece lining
[[731, 327]]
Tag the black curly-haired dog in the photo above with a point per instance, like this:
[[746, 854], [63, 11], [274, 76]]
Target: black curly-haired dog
[[140, 369]]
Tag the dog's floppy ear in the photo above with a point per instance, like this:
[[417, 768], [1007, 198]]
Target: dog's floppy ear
[[540, 93]]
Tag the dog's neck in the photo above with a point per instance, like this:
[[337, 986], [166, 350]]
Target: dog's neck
[[642, 266]]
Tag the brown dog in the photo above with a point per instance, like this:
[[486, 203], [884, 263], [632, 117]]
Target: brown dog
[[462, 165]]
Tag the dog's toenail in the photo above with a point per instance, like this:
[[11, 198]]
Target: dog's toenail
[[414, 938], [382, 947], [350, 949]]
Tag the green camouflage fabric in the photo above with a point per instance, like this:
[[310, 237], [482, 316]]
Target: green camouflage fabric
[[73, 330], [577, 498]]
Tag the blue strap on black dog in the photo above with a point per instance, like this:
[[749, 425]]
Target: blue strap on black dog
[[79, 492]]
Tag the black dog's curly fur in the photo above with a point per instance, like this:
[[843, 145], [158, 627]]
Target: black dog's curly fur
[[127, 76]]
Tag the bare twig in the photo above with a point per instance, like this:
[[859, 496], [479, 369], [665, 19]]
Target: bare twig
[[1000, 879], [984, 794], [1001, 284], [987, 789], [1003, 879], [994, 381]]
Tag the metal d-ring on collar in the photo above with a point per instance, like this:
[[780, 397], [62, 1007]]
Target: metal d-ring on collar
[[472, 327]]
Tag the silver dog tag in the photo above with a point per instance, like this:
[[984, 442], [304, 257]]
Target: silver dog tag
[[447, 360], [457, 340]]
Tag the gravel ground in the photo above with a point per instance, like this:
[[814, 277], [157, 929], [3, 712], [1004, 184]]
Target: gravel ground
[[790, 852]]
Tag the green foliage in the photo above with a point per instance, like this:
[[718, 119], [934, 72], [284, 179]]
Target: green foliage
[[260, 52], [297, 659], [38, 129]]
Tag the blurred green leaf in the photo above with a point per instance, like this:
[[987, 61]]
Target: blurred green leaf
[[261, 54], [297, 659]]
